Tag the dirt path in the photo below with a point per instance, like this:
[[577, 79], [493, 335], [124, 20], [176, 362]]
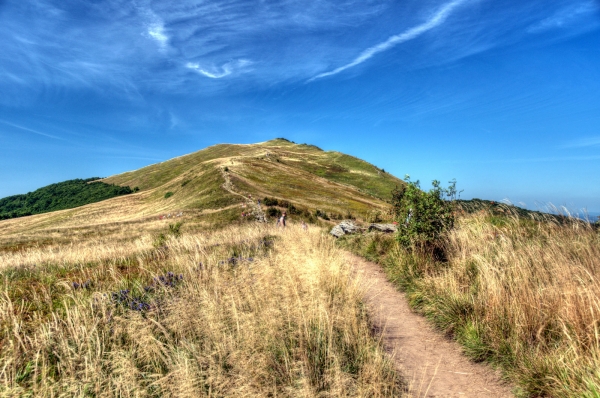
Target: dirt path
[[433, 364], [255, 208]]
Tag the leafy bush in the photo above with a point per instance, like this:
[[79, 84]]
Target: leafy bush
[[273, 212], [322, 214], [423, 217], [60, 196], [168, 194], [270, 201]]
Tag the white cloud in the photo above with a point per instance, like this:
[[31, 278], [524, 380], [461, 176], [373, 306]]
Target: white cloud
[[220, 72], [156, 30], [564, 17], [438, 18]]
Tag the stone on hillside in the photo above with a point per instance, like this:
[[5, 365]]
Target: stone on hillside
[[388, 228], [343, 228]]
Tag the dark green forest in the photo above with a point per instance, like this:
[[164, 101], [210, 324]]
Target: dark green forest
[[60, 196]]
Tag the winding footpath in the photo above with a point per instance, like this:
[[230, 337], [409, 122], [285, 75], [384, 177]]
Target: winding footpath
[[433, 365], [257, 211]]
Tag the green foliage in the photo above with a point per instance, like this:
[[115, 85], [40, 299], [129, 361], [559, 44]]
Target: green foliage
[[322, 214], [270, 201], [168, 194], [60, 196], [273, 212], [175, 229], [423, 217]]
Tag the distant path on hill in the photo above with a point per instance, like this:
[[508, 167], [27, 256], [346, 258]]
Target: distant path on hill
[[432, 364], [259, 214]]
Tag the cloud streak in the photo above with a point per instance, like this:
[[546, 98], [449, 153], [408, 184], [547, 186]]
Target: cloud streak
[[156, 30], [437, 19], [219, 73], [584, 143], [32, 130], [564, 17]]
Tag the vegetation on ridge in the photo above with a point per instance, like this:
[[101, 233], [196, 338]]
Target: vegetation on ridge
[[60, 196]]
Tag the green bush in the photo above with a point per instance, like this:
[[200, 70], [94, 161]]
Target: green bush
[[322, 214], [168, 194], [423, 217], [273, 212], [270, 201]]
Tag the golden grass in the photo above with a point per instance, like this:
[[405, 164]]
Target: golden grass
[[533, 290], [522, 294], [288, 323]]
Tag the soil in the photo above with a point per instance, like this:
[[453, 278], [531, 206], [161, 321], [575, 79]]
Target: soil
[[433, 364]]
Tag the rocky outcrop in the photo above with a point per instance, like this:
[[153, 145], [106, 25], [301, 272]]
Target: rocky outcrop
[[387, 228], [349, 227], [343, 228]]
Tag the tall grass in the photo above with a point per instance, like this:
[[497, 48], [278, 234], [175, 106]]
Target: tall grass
[[250, 311], [520, 293]]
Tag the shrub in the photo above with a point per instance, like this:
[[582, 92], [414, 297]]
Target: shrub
[[423, 217], [270, 201], [273, 212], [322, 214], [168, 194]]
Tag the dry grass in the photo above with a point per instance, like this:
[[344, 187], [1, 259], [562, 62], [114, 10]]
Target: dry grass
[[522, 294], [532, 290], [289, 322]]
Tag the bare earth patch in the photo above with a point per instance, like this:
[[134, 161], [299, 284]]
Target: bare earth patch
[[432, 363]]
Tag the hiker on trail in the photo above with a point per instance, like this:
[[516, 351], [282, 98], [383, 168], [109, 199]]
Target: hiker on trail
[[281, 220]]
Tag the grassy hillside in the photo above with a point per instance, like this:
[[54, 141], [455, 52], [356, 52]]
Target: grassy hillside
[[211, 187], [60, 196]]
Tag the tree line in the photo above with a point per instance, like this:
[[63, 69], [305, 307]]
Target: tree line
[[60, 196]]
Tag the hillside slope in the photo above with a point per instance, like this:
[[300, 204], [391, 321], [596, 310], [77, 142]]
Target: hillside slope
[[213, 186]]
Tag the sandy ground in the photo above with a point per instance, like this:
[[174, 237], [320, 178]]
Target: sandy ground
[[433, 364]]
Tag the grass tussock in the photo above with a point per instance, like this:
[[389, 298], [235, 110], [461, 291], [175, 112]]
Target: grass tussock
[[522, 294], [248, 311]]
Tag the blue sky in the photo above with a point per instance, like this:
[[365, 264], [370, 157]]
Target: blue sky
[[504, 96]]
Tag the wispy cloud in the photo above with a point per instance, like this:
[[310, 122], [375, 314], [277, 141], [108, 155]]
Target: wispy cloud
[[32, 130], [564, 17], [584, 142], [437, 19], [156, 30], [219, 72], [110, 47]]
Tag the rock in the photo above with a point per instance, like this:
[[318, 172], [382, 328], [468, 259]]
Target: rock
[[387, 228], [337, 231], [343, 228]]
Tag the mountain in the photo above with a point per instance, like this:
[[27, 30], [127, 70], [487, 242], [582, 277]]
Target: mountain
[[213, 186]]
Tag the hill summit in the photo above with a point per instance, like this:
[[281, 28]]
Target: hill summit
[[218, 184]]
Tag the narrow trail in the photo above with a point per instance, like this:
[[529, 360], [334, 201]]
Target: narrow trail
[[259, 214], [432, 364]]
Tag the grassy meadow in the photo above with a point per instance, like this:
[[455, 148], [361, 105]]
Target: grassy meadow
[[248, 310], [520, 293]]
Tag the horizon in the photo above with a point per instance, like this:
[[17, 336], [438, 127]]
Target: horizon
[[502, 96]]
